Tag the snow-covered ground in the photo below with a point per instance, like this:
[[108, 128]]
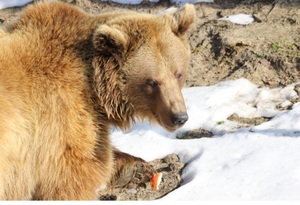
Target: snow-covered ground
[[13, 3], [255, 163]]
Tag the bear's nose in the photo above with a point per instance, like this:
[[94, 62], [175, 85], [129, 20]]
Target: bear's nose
[[180, 118]]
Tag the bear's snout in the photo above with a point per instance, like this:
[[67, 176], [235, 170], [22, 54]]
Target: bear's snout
[[179, 119]]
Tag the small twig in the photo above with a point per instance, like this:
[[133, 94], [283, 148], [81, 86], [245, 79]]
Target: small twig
[[273, 7]]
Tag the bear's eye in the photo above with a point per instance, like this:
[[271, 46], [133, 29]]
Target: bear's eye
[[179, 76], [152, 83]]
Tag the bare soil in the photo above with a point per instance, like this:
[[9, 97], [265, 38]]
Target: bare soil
[[266, 52]]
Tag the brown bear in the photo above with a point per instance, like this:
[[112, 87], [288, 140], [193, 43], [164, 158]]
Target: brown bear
[[66, 77]]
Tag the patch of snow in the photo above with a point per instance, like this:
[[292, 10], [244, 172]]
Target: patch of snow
[[255, 163], [242, 19], [13, 3]]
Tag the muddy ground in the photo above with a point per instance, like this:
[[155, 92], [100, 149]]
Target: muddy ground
[[266, 52]]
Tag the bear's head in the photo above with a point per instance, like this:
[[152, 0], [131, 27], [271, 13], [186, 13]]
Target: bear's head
[[141, 63]]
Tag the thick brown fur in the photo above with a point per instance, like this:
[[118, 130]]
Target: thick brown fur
[[65, 77]]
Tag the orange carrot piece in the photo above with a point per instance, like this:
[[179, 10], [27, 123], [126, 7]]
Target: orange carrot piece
[[155, 181]]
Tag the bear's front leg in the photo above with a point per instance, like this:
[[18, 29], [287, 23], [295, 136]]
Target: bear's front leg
[[129, 171]]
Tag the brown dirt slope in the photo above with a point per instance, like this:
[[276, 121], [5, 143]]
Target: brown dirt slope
[[266, 52]]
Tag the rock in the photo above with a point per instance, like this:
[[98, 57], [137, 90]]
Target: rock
[[195, 134], [249, 121]]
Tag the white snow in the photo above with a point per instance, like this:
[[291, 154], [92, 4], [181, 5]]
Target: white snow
[[255, 163], [241, 19], [177, 2], [13, 3], [182, 2]]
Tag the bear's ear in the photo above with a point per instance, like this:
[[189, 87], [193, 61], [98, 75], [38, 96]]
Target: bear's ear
[[110, 41], [182, 19]]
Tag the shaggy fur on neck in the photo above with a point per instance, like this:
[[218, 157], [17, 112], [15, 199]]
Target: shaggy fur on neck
[[108, 90], [110, 78]]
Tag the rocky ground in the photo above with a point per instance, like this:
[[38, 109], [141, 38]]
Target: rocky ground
[[266, 52]]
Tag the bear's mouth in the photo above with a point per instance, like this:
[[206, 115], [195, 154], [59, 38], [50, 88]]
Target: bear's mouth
[[171, 129], [165, 125]]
